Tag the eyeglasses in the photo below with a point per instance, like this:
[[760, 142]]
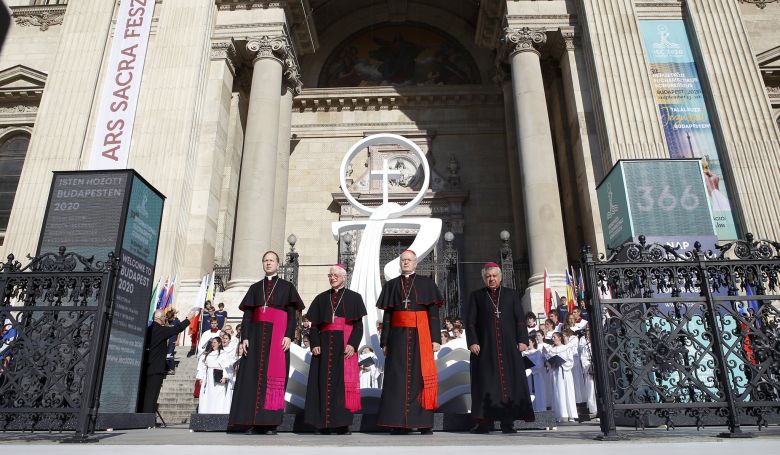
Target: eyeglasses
[[334, 275]]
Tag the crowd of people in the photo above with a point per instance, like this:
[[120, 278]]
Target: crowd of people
[[518, 366]]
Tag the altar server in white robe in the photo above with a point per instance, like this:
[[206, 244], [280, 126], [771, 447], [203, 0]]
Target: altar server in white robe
[[539, 380], [229, 351], [560, 359], [573, 341], [214, 375], [586, 357]]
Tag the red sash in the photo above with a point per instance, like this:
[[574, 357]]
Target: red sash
[[419, 320], [274, 388], [351, 371]]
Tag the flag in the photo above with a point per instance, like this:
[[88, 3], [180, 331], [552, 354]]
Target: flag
[[210, 287], [161, 295], [581, 286], [153, 301], [547, 295], [168, 299], [569, 291]]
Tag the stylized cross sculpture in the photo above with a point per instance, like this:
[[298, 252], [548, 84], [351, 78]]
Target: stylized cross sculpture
[[385, 174], [366, 274]]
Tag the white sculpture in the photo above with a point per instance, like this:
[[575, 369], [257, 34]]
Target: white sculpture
[[365, 275], [453, 360]]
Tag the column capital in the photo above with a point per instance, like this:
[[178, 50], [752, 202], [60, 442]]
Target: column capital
[[225, 50], [566, 40], [269, 47], [292, 76], [523, 39]]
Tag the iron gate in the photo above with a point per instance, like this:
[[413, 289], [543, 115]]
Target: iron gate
[[686, 338], [56, 321]]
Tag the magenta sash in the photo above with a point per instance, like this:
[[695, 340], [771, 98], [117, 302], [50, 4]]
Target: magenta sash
[[277, 371], [351, 371]]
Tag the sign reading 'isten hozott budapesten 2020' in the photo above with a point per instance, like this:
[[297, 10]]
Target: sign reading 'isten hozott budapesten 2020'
[[95, 213]]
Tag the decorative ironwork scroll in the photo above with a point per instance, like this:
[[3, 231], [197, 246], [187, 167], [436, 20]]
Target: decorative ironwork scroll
[[686, 338], [56, 322]]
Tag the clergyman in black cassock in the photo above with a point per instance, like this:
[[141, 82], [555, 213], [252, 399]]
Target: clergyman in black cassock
[[411, 333], [496, 334], [333, 389], [249, 410]]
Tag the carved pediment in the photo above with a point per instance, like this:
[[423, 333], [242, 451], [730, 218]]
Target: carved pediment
[[769, 59], [21, 83]]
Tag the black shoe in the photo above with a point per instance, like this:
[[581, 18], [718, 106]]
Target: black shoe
[[343, 430], [251, 430], [399, 431], [322, 431], [191, 353], [271, 432], [508, 429], [426, 431], [481, 429]]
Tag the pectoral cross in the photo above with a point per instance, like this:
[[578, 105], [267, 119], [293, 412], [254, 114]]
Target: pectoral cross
[[406, 303], [498, 313]]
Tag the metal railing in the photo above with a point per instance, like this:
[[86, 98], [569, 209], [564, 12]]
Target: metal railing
[[56, 323], [687, 338]]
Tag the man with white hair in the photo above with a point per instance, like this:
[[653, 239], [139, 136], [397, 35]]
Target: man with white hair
[[156, 349], [410, 336], [333, 390], [496, 334]]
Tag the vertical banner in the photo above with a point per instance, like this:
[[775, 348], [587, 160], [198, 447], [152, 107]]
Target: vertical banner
[[124, 360], [121, 85], [684, 113]]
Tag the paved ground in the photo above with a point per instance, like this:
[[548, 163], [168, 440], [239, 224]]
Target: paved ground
[[566, 439]]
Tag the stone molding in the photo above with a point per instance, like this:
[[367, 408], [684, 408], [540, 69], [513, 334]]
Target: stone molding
[[225, 51], [524, 39], [298, 13], [15, 129], [42, 17], [376, 99]]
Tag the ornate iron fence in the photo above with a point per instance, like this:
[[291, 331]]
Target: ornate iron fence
[[56, 322], [687, 338]]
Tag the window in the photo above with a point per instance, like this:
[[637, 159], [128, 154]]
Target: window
[[12, 152]]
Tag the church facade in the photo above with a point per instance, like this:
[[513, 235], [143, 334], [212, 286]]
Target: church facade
[[522, 107]]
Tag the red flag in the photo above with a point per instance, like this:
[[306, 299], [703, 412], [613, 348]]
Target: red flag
[[195, 330], [547, 295]]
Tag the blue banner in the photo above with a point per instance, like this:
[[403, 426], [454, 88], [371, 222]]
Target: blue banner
[[686, 120]]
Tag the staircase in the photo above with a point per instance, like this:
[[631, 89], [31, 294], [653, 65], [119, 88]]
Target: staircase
[[176, 402]]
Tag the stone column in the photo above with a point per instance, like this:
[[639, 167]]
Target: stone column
[[291, 88], [504, 80], [544, 223], [254, 217]]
